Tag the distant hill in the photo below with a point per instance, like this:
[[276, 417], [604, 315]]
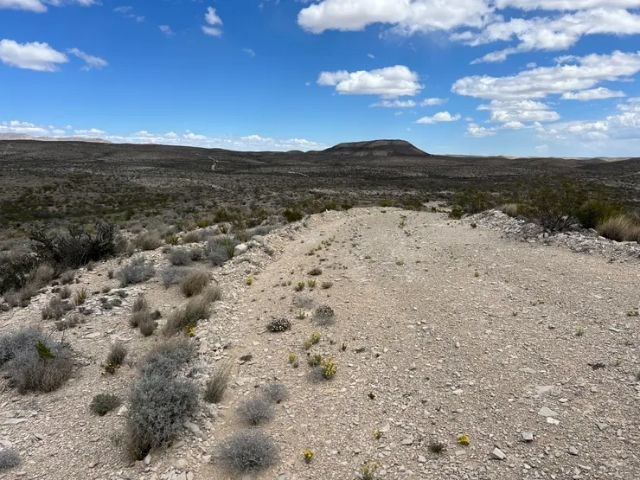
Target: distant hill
[[376, 148]]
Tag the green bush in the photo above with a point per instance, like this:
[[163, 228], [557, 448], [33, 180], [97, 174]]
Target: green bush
[[103, 403], [594, 212], [292, 215]]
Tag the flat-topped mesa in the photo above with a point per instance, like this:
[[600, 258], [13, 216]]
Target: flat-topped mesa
[[377, 148]]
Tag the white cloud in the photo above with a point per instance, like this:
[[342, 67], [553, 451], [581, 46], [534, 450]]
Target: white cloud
[[407, 16], [213, 25], [477, 131], [32, 56], [40, 6], [551, 33], [15, 128], [599, 93], [389, 82], [395, 104], [249, 51], [166, 30], [128, 12], [90, 61], [438, 117], [566, 4], [429, 102], [514, 112], [572, 74]]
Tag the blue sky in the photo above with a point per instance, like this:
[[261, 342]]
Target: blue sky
[[513, 77]]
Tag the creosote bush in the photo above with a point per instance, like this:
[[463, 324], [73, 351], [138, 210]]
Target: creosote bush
[[247, 452], [217, 383], [137, 270], [194, 283], [34, 362], [103, 403]]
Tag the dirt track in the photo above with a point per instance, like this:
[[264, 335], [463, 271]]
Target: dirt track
[[450, 329]]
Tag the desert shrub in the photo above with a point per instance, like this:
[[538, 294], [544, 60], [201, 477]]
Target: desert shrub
[[328, 368], [292, 215], [620, 228], [16, 267], [180, 256], [196, 309], [167, 357], [217, 383], [219, 249], [43, 274], [67, 277], [9, 458], [279, 325], [192, 237], [275, 392], [312, 340], [147, 241], [173, 275], [302, 301], [456, 212], [140, 304], [147, 326], [594, 212], [21, 297], [103, 403], [115, 358], [77, 246], [255, 411], [249, 451], [324, 315], [33, 362], [555, 207], [136, 271], [473, 201], [56, 309], [71, 322], [64, 292], [158, 408], [194, 283], [212, 293], [314, 360]]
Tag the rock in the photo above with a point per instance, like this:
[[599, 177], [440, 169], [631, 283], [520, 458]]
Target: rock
[[193, 428], [527, 436], [407, 441], [547, 412], [122, 411], [240, 249], [573, 451], [147, 459], [421, 459], [498, 454]]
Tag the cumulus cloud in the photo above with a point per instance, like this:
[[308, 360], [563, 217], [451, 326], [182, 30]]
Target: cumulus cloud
[[599, 93], [565, 4], [40, 6], [253, 142], [127, 11], [166, 30], [571, 74], [438, 117], [388, 83], [478, 131], [213, 22], [32, 56], [407, 16], [514, 113], [551, 33], [91, 62]]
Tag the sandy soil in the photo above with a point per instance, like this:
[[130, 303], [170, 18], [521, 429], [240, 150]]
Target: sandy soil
[[441, 329]]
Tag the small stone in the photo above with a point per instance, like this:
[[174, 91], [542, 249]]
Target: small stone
[[553, 421], [573, 451], [421, 459], [147, 459], [240, 249], [122, 411], [547, 412], [407, 441], [498, 454], [527, 436]]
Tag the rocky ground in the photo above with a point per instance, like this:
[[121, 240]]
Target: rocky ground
[[441, 330]]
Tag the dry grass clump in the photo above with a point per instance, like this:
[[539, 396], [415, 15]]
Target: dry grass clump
[[34, 362], [147, 241], [255, 411], [219, 249], [173, 275], [140, 304], [9, 459], [180, 256], [142, 318], [275, 392], [103, 403], [115, 358], [247, 452], [56, 309], [620, 228], [80, 297], [136, 271], [217, 384], [186, 318], [194, 283]]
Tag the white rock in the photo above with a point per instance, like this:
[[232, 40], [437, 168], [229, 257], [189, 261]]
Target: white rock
[[498, 454], [240, 249], [547, 412]]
